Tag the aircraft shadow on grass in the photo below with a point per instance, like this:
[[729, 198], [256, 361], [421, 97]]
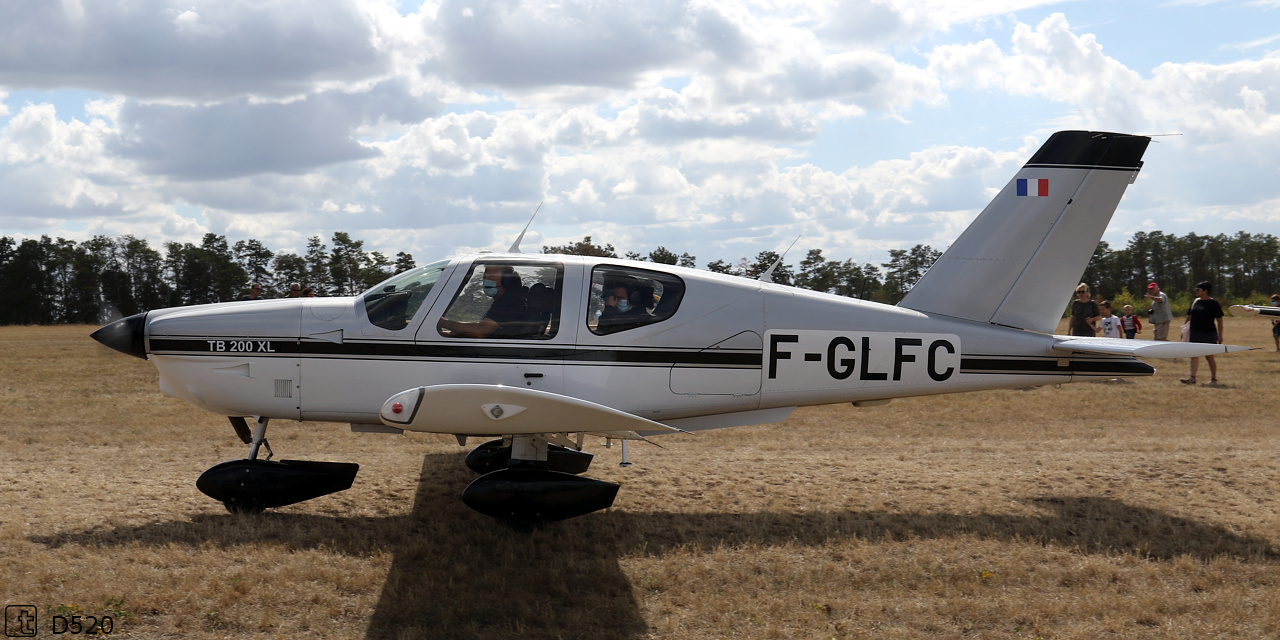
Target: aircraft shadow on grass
[[455, 573]]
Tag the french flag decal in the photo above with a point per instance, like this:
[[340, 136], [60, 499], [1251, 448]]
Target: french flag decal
[[1033, 187]]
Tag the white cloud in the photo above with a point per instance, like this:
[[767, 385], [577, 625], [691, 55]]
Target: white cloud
[[520, 45], [245, 137], [1232, 101], [51, 168], [1252, 44], [192, 49]]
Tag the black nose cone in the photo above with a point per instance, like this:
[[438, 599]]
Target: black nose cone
[[126, 335]]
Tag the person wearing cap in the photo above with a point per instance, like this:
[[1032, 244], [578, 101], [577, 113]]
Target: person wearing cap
[[1161, 316]]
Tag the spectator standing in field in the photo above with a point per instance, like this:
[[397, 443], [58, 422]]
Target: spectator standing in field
[[295, 290], [1110, 324], [1161, 315], [1201, 318], [1130, 322], [1084, 313], [1275, 322], [255, 292]]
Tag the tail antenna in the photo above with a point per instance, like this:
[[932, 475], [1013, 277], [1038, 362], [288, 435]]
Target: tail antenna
[[515, 246], [767, 276]]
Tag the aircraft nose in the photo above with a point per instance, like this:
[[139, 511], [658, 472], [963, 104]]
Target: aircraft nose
[[125, 335]]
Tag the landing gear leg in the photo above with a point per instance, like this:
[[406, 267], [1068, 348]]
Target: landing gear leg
[[260, 439], [528, 452]]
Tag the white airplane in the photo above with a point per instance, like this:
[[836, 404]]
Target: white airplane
[[543, 351]]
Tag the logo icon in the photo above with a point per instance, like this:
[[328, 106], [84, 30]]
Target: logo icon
[[20, 621]]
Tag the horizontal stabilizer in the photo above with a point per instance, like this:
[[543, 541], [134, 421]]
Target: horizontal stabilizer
[[1253, 310], [1143, 348], [496, 410]]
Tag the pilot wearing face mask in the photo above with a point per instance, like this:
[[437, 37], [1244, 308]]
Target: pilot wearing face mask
[[507, 316]]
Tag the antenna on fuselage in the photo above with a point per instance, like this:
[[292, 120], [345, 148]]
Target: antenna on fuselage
[[515, 246], [767, 276]]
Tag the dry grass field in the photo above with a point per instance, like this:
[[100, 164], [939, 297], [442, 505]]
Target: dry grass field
[[1135, 509]]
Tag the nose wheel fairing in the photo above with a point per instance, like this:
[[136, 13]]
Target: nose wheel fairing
[[251, 485], [254, 485]]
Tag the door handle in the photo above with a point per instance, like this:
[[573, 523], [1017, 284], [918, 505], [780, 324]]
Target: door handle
[[533, 375]]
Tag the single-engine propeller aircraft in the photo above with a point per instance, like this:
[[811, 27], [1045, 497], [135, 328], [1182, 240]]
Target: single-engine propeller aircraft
[[543, 351]]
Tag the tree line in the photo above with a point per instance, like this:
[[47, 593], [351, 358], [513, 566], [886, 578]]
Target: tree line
[[1243, 268], [56, 281]]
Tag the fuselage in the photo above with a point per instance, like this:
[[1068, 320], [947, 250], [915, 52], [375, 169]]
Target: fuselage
[[705, 344]]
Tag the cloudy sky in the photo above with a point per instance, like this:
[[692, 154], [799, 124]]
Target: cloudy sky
[[717, 127]]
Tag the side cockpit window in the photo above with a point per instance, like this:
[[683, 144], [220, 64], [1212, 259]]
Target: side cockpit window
[[392, 303], [506, 299], [625, 298]]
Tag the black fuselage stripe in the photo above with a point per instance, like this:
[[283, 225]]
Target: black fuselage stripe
[[579, 356], [1075, 366], [451, 352]]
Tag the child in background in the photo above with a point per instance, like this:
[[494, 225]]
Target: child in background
[[1130, 323], [1110, 324]]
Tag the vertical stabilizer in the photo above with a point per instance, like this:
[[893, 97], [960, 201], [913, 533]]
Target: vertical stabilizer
[[1018, 261]]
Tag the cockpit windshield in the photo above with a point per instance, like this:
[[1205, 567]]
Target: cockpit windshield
[[392, 303]]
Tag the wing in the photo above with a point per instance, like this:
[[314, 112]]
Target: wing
[[496, 410], [1143, 348], [1253, 309]]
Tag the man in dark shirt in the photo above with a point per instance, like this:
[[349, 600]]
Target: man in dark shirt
[[508, 315]]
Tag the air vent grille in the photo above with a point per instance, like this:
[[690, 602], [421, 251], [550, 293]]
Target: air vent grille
[[284, 388]]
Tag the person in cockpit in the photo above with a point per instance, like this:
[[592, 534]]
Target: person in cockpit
[[508, 314], [625, 308], [616, 303]]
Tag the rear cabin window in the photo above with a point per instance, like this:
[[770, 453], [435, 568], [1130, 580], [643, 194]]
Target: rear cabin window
[[624, 298], [505, 299], [392, 303]]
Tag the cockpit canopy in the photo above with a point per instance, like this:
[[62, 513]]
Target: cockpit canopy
[[620, 297]]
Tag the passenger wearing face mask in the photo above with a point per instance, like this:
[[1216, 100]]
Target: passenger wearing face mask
[[507, 316], [616, 304], [625, 308]]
